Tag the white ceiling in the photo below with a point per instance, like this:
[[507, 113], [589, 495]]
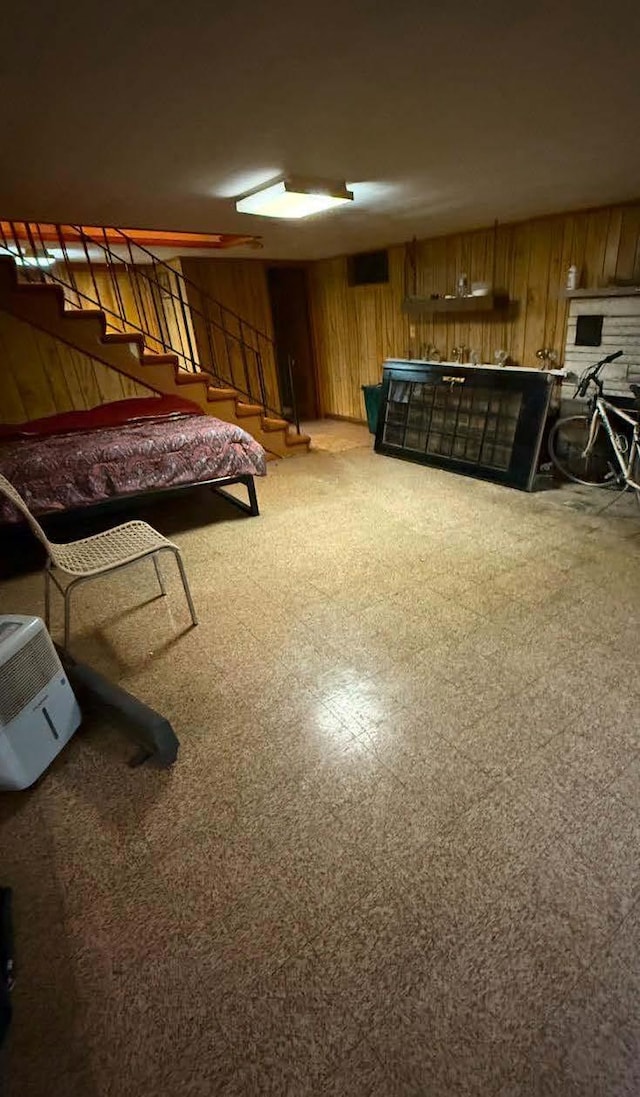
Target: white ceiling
[[440, 116]]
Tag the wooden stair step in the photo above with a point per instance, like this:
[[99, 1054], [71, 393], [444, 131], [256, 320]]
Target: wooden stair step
[[123, 337], [52, 303], [293, 439], [248, 409], [84, 314], [214, 394], [269, 423], [185, 377], [150, 359], [39, 287]]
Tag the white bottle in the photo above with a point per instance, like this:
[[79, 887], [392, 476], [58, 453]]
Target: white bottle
[[572, 278]]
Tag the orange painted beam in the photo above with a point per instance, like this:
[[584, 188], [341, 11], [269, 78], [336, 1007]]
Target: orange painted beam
[[146, 238]]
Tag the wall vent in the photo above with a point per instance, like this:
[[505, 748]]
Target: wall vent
[[369, 268]]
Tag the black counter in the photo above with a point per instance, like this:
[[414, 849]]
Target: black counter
[[478, 420]]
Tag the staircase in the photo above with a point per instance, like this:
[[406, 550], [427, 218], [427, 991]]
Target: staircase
[[156, 345]]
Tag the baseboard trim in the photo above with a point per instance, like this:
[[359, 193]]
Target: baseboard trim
[[347, 419]]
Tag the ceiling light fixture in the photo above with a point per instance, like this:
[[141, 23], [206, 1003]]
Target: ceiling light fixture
[[294, 198], [28, 258]]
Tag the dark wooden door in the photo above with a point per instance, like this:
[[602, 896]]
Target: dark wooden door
[[290, 308]]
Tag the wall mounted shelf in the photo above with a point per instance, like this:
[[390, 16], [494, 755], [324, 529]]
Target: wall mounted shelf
[[489, 302], [604, 291]]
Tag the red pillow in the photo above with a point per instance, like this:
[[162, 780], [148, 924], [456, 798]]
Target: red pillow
[[115, 414]]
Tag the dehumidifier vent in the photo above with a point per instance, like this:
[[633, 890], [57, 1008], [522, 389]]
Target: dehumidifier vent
[[25, 674]]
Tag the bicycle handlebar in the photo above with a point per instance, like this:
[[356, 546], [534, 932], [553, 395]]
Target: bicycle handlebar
[[592, 373], [611, 358]]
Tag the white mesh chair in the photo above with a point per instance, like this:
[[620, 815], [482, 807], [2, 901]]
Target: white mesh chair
[[97, 555]]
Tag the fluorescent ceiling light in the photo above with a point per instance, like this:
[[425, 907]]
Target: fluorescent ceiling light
[[294, 198], [27, 258], [35, 260]]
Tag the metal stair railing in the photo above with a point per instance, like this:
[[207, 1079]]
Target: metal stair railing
[[152, 298]]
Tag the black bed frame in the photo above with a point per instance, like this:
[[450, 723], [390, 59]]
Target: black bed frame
[[251, 507], [218, 485]]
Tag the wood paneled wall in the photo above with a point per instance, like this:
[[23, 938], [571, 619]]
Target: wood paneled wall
[[40, 375], [241, 286], [136, 298], [356, 328]]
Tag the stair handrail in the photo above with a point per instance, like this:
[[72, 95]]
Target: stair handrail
[[140, 271], [189, 358], [188, 281]]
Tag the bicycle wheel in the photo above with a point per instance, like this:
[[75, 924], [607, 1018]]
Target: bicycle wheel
[[567, 442]]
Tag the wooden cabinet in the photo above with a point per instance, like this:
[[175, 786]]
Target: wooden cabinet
[[478, 420]]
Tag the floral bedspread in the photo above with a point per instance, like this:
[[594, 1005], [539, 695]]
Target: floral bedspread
[[76, 469]]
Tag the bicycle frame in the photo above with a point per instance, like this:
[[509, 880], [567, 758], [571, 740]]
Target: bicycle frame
[[601, 411]]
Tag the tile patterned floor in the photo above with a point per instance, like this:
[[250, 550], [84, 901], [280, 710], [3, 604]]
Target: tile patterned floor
[[399, 852]]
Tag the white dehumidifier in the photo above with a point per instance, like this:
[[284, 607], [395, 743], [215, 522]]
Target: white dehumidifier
[[38, 709]]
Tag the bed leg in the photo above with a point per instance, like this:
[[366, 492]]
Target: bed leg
[[254, 510], [247, 508]]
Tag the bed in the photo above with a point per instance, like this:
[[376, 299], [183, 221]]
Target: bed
[[125, 450]]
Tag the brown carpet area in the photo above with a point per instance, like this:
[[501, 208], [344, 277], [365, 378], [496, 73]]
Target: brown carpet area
[[398, 854]]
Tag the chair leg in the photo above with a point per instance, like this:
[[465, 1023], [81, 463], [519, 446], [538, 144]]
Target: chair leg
[[163, 589], [47, 598], [67, 617], [187, 591], [67, 610]]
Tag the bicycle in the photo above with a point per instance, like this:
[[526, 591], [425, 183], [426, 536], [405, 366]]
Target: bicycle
[[588, 449]]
